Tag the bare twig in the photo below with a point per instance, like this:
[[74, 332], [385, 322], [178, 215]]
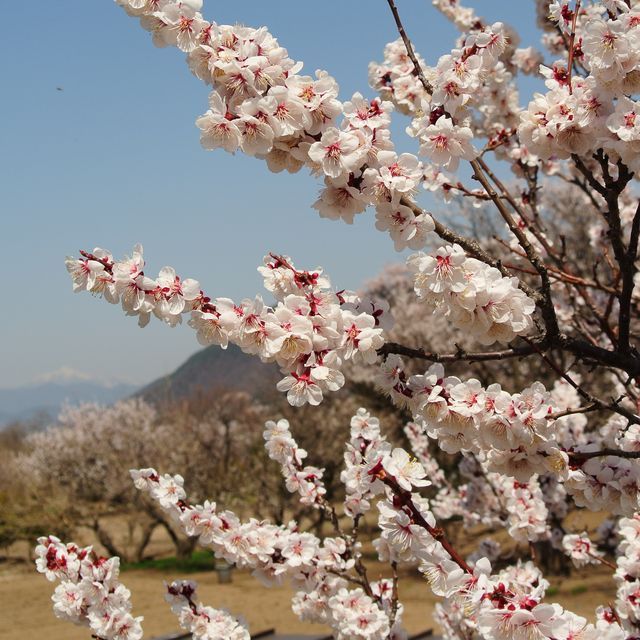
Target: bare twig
[[461, 355]]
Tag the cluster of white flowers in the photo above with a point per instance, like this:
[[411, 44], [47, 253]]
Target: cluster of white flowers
[[605, 482], [588, 112], [276, 554], [473, 75], [89, 593], [419, 442], [627, 574], [512, 432], [309, 333], [519, 464], [357, 617], [503, 606], [260, 104], [581, 549], [203, 623], [474, 295], [367, 444], [525, 506], [304, 480]]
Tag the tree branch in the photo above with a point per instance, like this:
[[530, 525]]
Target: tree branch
[[461, 355], [417, 68], [578, 457], [472, 247], [629, 270]]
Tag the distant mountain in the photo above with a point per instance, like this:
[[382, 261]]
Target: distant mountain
[[214, 368], [50, 392]]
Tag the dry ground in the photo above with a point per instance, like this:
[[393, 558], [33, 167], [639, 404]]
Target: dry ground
[[26, 614]]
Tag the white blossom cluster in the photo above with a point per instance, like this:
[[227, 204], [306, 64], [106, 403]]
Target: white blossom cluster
[[419, 442], [477, 75], [261, 105], [278, 554], [627, 574], [309, 333], [514, 611], [513, 435], [581, 549], [504, 605], [606, 482], [306, 481], [594, 111], [89, 592], [525, 507], [498, 501], [202, 622], [512, 432], [507, 605], [473, 295]]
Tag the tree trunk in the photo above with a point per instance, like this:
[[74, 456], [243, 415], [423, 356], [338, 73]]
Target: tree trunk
[[184, 546], [147, 532], [107, 541]]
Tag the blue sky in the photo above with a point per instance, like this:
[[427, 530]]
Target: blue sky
[[114, 159]]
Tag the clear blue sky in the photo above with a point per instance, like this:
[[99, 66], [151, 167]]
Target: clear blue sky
[[114, 159]]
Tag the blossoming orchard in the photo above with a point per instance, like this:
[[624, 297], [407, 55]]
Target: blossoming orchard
[[520, 294]]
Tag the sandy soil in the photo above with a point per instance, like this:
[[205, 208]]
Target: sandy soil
[[26, 614]]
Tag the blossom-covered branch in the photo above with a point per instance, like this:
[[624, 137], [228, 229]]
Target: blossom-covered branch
[[309, 333]]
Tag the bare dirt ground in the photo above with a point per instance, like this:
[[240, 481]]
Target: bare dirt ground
[[26, 613]]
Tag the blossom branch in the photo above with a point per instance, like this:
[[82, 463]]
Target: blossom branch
[[472, 247], [461, 355], [572, 41], [417, 67], [545, 302], [404, 499]]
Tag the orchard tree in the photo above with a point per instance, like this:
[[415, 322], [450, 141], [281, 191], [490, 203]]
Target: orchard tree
[[527, 453], [80, 465]]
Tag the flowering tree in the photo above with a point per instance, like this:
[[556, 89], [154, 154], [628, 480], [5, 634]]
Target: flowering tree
[[527, 455], [83, 462]]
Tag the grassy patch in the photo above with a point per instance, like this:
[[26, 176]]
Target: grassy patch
[[201, 560], [578, 589]]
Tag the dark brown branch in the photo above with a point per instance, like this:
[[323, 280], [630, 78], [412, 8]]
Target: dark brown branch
[[545, 302], [461, 355], [571, 412], [403, 499], [578, 457], [584, 170], [394, 594], [417, 68], [613, 406], [628, 272]]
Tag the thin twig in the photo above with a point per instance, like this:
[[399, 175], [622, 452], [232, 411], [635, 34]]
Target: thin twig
[[417, 68], [572, 42]]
